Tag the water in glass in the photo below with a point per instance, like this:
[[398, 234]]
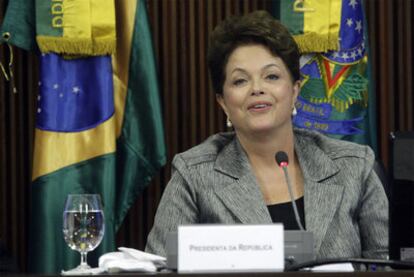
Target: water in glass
[[83, 224]]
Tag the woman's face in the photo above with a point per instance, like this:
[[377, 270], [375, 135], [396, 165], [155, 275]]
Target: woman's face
[[258, 92]]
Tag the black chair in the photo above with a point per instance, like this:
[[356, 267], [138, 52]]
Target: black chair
[[401, 188]]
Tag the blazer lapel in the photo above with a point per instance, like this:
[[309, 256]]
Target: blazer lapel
[[239, 190], [322, 193]]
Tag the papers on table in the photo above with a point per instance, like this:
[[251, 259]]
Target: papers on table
[[131, 260]]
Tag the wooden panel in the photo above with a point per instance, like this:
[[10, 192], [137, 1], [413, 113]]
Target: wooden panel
[[391, 44], [16, 133]]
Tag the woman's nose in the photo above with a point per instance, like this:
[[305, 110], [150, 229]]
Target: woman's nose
[[257, 92], [257, 88]]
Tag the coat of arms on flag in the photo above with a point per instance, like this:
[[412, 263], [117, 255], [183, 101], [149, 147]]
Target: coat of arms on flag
[[334, 94]]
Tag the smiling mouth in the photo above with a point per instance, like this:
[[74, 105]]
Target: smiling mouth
[[259, 107]]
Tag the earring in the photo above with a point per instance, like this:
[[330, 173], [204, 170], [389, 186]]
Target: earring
[[228, 123], [294, 111]]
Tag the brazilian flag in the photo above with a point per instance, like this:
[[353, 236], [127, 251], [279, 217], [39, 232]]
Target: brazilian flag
[[98, 129], [337, 96]]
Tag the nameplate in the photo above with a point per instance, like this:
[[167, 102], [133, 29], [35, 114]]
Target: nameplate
[[230, 248]]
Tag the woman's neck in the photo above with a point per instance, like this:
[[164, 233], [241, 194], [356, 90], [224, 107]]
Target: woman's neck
[[261, 148]]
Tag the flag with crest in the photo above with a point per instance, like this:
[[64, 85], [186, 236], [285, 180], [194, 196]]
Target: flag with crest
[[336, 95]]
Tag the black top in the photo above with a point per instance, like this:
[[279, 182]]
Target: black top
[[283, 213]]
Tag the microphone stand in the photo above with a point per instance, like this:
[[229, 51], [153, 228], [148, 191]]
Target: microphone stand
[[292, 199], [298, 243]]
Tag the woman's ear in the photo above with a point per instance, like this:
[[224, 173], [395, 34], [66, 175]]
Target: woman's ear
[[221, 102], [296, 90]]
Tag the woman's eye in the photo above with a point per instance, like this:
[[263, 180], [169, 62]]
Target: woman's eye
[[272, 77], [238, 82]]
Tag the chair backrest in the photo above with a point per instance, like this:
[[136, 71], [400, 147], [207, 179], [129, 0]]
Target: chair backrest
[[401, 188], [402, 156]]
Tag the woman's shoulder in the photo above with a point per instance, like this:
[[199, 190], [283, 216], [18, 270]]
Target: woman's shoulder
[[208, 150], [334, 148]]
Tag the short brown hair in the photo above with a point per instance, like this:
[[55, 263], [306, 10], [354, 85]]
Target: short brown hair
[[258, 27]]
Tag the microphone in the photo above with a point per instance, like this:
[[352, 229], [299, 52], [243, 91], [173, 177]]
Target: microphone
[[283, 161]]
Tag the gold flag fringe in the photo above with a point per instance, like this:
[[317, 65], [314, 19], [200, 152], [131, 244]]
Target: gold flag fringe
[[70, 46], [313, 42]]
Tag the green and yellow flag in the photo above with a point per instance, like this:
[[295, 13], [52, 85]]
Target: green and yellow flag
[[314, 23], [76, 27], [98, 130], [337, 97]]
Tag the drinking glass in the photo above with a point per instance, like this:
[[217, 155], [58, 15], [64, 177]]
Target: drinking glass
[[83, 225]]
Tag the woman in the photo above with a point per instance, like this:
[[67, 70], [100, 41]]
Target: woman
[[232, 177]]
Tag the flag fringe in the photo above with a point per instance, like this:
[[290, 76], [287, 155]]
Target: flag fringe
[[312, 42], [70, 46]]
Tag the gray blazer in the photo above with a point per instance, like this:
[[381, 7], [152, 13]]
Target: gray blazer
[[345, 204]]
